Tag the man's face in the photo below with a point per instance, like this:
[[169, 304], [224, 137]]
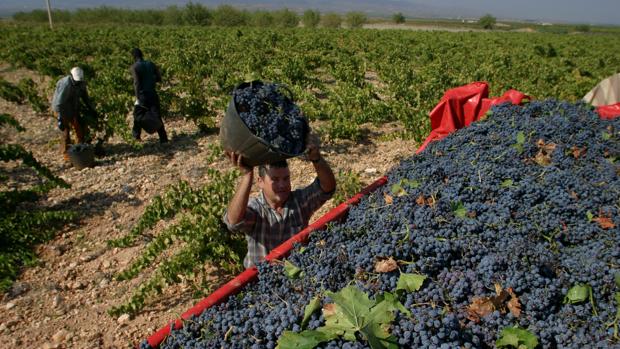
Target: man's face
[[276, 185]]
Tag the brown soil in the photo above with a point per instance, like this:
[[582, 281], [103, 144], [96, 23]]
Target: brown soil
[[62, 302]]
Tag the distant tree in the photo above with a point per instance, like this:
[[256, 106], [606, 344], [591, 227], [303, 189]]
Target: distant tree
[[311, 18], [398, 18], [262, 19], [173, 15], [584, 28], [487, 21], [228, 16], [356, 19], [196, 14], [332, 20], [286, 18]]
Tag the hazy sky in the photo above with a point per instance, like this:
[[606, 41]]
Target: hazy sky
[[597, 11], [575, 11]]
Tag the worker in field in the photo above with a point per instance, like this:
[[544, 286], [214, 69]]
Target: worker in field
[[146, 112], [277, 213], [69, 93]]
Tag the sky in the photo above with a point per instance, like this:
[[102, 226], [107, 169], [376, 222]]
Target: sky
[[581, 11], [570, 11]]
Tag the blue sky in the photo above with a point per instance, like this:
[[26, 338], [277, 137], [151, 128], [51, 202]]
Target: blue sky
[[572, 11]]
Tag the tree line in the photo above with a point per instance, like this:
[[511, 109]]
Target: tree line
[[197, 14]]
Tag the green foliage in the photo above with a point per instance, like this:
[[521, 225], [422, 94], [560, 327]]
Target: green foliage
[[514, 337], [398, 18], [584, 28], [228, 16], [331, 20], [29, 89], [11, 92], [23, 227], [286, 18], [355, 19], [327, 69], [487, 21], [311, 18], [263, 19], [198, 233], [348, 183], [196, 14]]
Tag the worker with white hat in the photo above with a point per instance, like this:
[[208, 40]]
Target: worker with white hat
[[70, 90]]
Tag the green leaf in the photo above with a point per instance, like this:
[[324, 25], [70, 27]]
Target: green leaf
[[351, 308], [292, 271], [520, 138], [410, 282], [578, 293], [589, 215], [617, 278], [507, 183], [314, 305], [397, 189], [392, 303], [606, 136], [459, 209], [303, 340], [378, 336], [411, 183], [517, 338]]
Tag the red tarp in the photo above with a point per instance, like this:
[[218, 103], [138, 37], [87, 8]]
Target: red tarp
[[458, 108], [461, 106], [609, 112]]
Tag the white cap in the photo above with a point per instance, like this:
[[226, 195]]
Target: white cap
[[77, 73]]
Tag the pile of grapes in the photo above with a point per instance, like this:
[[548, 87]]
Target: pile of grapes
[[513, 221], [272, 116]]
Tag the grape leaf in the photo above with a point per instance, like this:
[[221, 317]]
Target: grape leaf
[[292, 271], [517, 338], [507, 183], [520, 137], [604, 222], [314, 305], [617, 279], [392, 303], [302, 340], [459, 209], [410, 282], [397, 189], [578, 293], [348, 314]]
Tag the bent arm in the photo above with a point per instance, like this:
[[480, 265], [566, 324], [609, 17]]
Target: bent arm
[[239, 202], [326, 175]]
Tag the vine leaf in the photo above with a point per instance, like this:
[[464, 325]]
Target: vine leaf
[[303, 340], [292, 271], [410, 282], [578, 293], [314, 305], [517, 338], [604, 222]]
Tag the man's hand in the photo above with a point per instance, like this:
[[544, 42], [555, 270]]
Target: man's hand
[[237, 160], [313, 144]]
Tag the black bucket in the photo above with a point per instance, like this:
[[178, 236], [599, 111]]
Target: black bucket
[[235, 136], [82, 155]]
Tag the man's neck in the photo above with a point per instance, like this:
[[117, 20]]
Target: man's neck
[[273, 205]]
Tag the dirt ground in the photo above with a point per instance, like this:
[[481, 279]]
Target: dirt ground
[[62, 302]]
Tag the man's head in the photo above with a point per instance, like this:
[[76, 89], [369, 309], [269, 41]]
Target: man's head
[[275, 182], [77, 74], [136, 53]]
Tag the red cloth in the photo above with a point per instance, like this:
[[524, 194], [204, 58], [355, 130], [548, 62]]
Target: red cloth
[[461, 106], [609, 112]]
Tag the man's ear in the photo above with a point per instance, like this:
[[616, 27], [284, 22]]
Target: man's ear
[[260, 181]]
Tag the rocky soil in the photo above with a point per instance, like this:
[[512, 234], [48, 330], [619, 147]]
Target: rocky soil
[[62, 302]]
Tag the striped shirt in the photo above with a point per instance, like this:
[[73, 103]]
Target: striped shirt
[[265, 229]]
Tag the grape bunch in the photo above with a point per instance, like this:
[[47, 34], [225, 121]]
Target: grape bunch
[[525, 200], [272, 116]]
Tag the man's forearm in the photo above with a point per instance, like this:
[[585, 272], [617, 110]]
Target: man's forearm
[[325, 175], [239, 202]]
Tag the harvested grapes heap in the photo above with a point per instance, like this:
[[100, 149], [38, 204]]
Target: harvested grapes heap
[[504, 234], [272, 116]]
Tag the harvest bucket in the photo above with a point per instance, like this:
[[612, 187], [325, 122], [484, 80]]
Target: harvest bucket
[[235, 136], [82, 155]]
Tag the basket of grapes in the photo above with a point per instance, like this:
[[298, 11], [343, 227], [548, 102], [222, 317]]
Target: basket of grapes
[[263, 124]]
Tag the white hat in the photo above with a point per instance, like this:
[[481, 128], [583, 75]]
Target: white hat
[[77, 73]]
